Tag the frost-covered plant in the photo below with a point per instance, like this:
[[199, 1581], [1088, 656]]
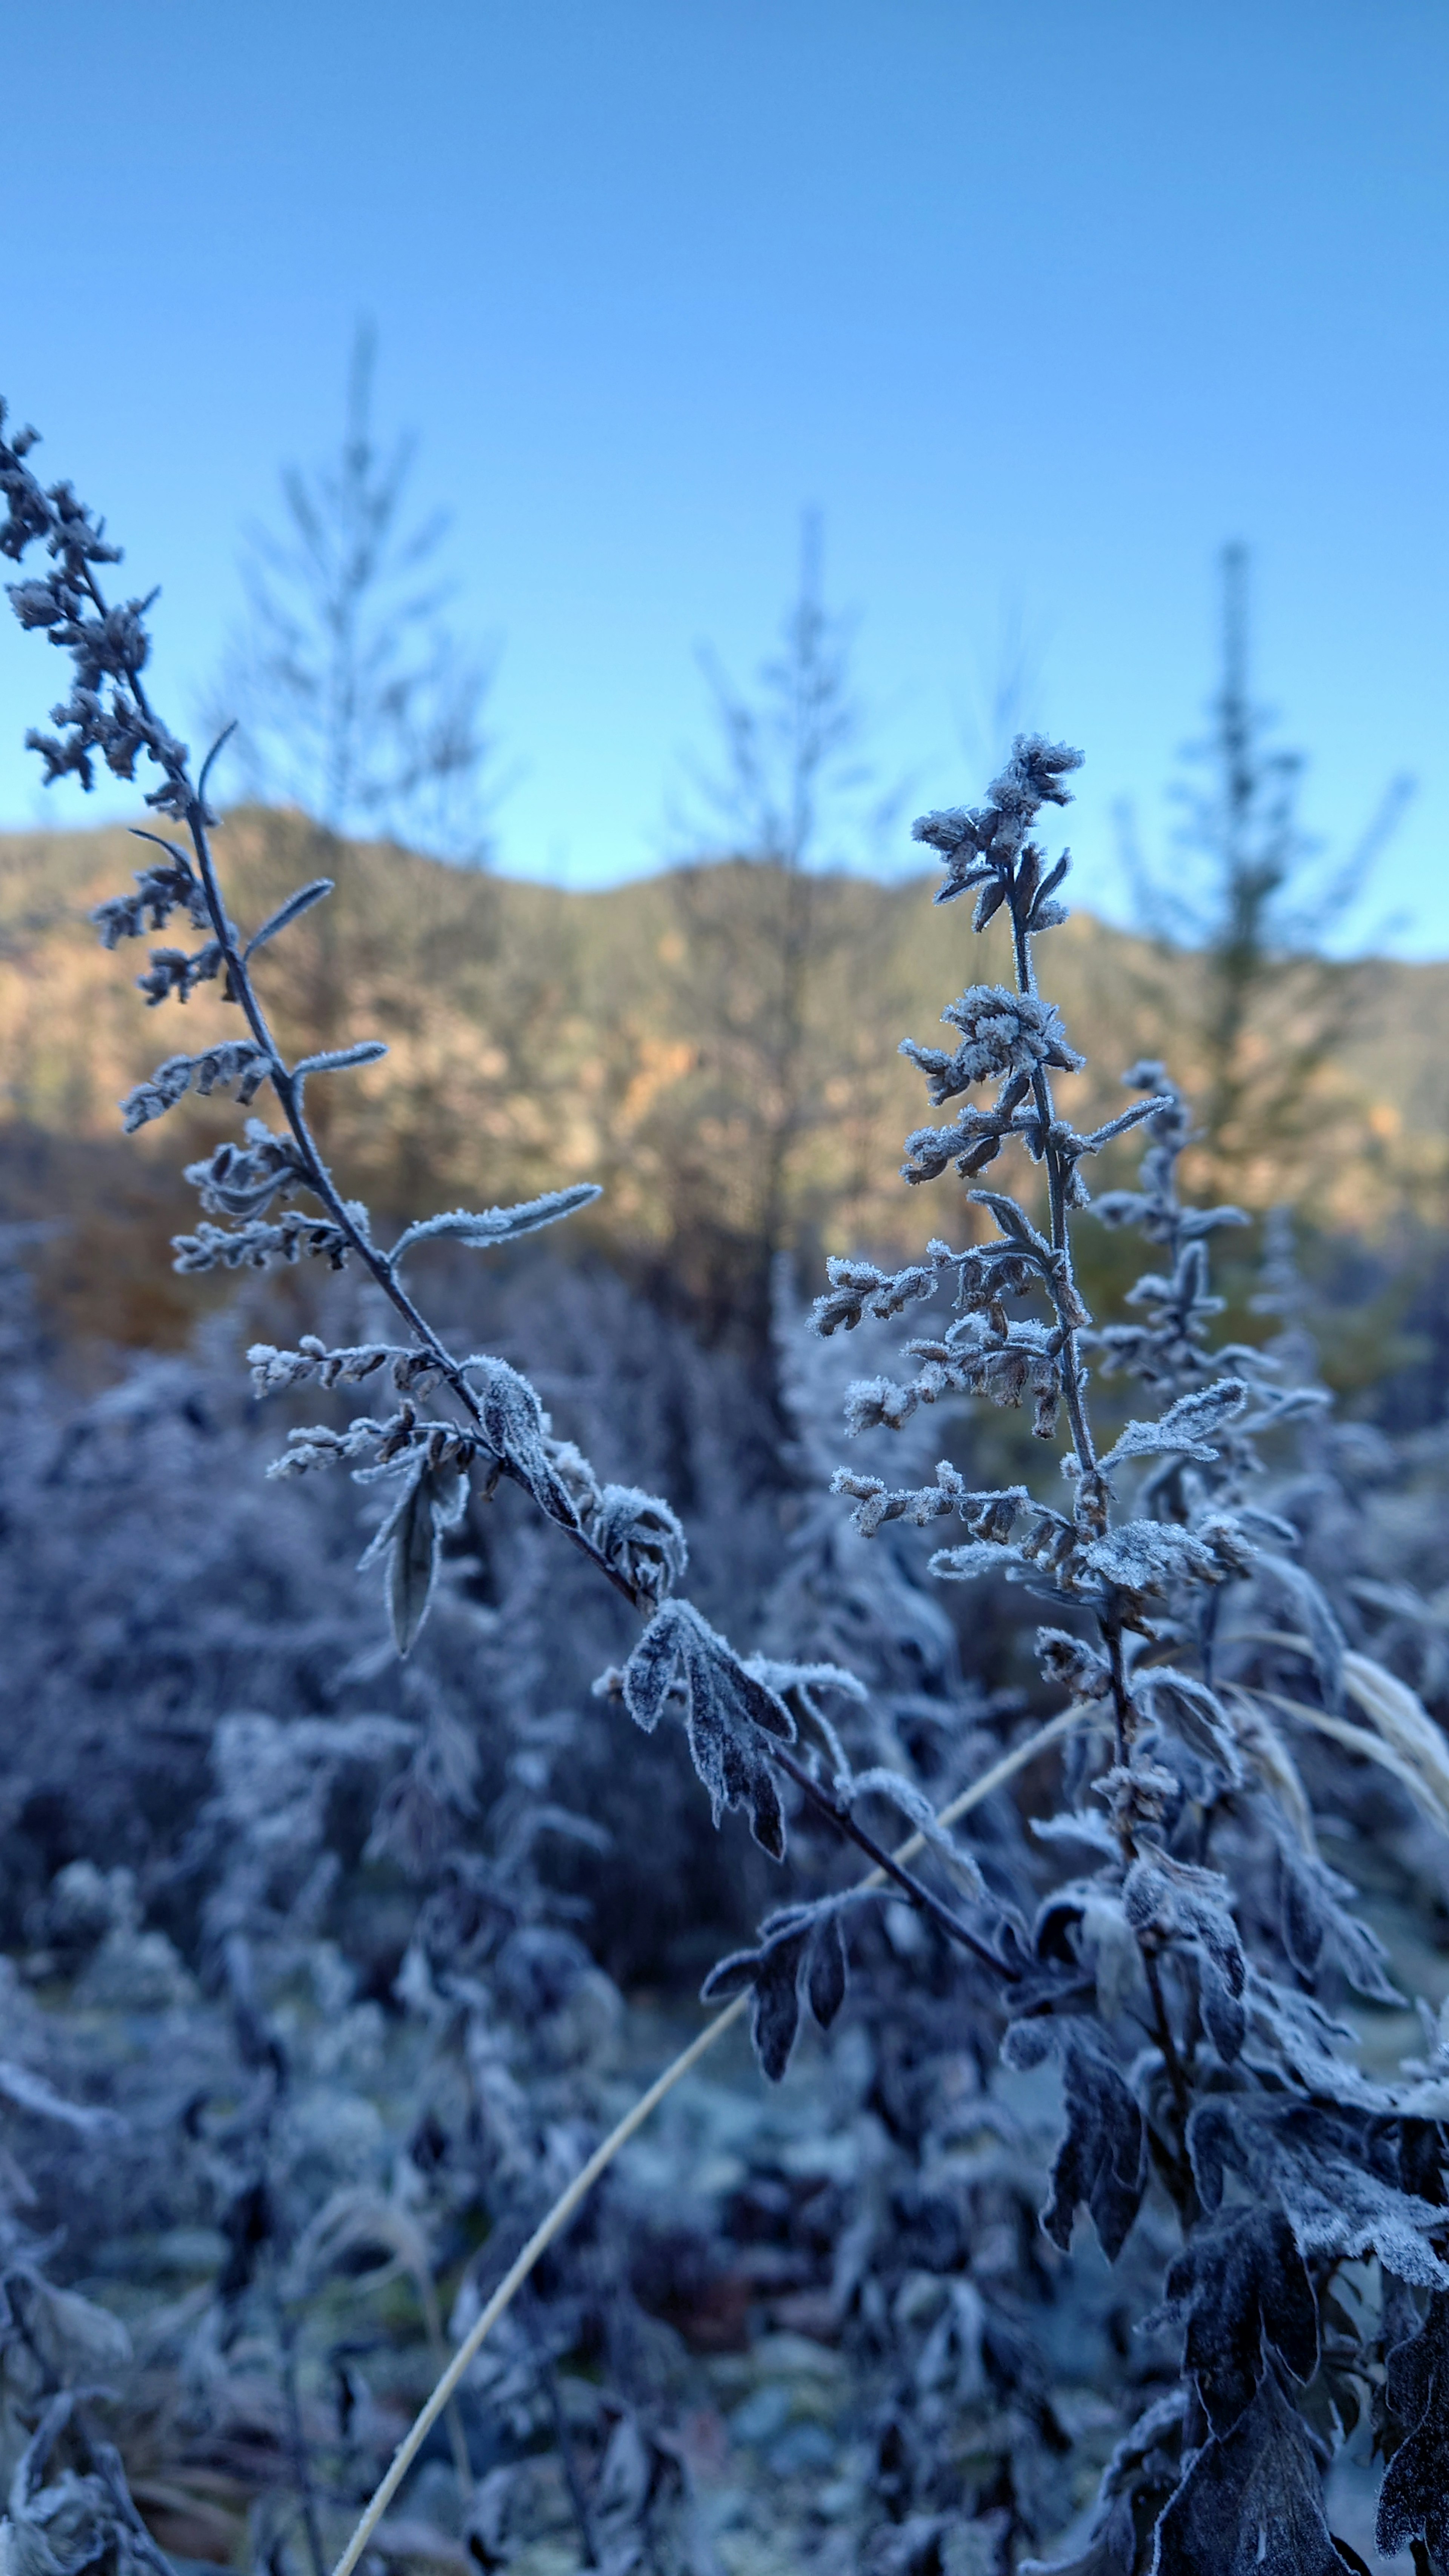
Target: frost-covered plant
[[1176, 1983], [450, 1426], [744, 1720], [1183, 1983]]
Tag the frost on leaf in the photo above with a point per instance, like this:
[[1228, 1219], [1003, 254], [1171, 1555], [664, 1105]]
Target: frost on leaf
[[433, 1500], [1147, 1558], [483, 1226], [1139, 2477], [64, 2521], [1101, 2163], [1237, 2288], [257, 1245], [1325, 1638], [800, 1945], [1414, 2500], [858, 1289], [1169, 1900], [982, 844], [640, 1537], [241, 1181], [1251, 2503], [1003, 1033], [1187, 1427], [1328, 2169], [1185, 1707], [515, 1430], [286, 913], [233, 1062], [728, 1710], [1317, 1927]]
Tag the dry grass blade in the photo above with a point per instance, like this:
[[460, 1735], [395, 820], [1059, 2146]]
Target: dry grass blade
[[1401, 1718], [634, 2118], [1264, 1748], [1362, 1739], [1406, 1731]]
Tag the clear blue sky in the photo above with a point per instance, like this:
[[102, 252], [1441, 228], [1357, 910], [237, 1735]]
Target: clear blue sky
[[1037, 302]]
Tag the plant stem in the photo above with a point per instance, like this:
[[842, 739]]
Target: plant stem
[[891, 1867], [1057, 1178], [319, 1180]]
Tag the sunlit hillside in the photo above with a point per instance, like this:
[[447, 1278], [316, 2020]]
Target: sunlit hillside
[[632, 1037]]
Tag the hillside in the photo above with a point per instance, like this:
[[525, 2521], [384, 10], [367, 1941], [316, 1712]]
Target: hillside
[[632, 1037]]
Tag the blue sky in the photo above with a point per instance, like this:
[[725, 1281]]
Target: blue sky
[[1037, 304]]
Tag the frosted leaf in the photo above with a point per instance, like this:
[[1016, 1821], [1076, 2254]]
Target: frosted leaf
[[433, 1500], [1102, 2160], [1003, 1033], [1316, 1926], [288, 912], [728, 1710], [976, 1561], [1238, 2286], [513, 1425], [1137, 2480], [313, 1363], [1251, 2501], [1414, 2499], [1170, 1900], [640, 1537], [1149, 1557], [1185, 1707], [35, 2093], [1318, 2162], [983, 841], [340, 1059], [858, 1289], [241, 1180], [234, 1063], [258, 1246], [1174, 1899], [800, 1946], [484, 1226], [1325, 1637], [1187, 1426], [877, 1502], [1074, 1663]]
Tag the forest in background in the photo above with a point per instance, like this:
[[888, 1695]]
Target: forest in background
[[715, 1046]]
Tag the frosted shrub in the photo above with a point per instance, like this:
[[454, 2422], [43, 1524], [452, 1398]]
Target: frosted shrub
[[1279, 2215], [1176, 1981]]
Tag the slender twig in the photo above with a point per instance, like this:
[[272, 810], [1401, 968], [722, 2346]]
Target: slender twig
[[288, 1091], [1057, 1178], [890, 1866], [557, 2218]]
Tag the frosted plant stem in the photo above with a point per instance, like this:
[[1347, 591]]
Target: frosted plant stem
[[634, 2118]]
